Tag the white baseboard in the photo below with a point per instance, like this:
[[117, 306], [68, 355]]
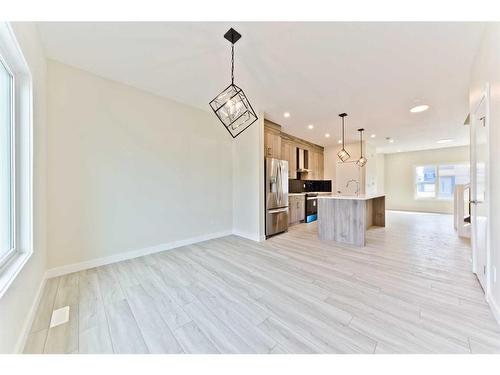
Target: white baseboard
[[495, 309], [75, 267], [248, 236], [21, 342]]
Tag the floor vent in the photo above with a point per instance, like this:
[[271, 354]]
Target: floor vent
[[59, 316]]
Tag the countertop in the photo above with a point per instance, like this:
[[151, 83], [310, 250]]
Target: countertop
[[360, 197]]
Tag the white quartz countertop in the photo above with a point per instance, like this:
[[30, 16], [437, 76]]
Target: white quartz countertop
[[360, 197]]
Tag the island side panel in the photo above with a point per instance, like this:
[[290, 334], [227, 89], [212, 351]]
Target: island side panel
[[379, 211], [326, 219], [342, 220], [350, 221], [370, 217]]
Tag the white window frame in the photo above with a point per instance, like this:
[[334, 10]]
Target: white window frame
[[5, 258], [436, 183], [22, 102], [415, 192]]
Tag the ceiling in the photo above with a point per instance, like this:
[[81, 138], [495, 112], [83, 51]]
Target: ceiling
[[373, 71]]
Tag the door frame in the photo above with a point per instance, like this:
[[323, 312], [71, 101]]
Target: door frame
[[483, 97]]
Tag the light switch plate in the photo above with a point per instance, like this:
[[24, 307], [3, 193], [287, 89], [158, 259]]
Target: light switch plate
[[59, 316]]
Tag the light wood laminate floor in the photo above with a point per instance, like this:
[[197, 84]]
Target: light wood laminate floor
[[410, 290]]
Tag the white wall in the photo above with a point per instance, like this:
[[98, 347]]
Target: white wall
[[129, 170], [371, 170], [117, 169], [248, 185], [486, 69], [369, 178], [17, 303], [400, 178], [380, 160]]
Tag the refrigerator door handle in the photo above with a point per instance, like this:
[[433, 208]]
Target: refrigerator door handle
[[280, 210], [280, 198]]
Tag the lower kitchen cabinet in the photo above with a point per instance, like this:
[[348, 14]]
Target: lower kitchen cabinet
[[296, 209]]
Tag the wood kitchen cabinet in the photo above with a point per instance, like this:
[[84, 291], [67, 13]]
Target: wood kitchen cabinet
[[289, 153], [321, 166], [315, 164], [272, 140], [296, 209], [280, 145]]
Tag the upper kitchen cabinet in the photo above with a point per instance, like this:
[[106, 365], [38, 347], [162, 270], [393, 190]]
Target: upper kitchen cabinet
[[313, 165], [272, 140], [289, 153], [280, 145], [316, 164]]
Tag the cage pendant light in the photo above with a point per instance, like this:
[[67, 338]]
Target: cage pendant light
[[362, 160], [231, 106], [343, 154]]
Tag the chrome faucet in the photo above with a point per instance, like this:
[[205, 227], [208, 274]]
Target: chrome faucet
[[357, 186]]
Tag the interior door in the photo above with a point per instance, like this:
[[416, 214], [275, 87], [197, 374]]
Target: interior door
[[479, 190]]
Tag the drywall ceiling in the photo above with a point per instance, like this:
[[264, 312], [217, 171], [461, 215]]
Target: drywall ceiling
[[373, 71]]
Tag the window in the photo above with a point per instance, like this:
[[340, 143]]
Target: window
[[426, 181], [438, 181], [6, 167], [16, 227]]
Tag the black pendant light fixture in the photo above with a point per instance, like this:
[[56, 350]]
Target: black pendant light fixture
[[362, 160], [343, 154], [231, 106]]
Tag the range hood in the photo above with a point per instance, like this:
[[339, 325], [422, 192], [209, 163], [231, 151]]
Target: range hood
[[302, 160]]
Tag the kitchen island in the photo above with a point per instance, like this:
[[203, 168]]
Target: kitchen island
[[345, 218]]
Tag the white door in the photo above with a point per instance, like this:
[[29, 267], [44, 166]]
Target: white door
[[479, 189]]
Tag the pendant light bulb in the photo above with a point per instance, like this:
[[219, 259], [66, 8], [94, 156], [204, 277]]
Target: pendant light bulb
[[343, 154]]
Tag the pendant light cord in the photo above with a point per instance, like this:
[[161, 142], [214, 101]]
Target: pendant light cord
[[361, 142], [232, 64], [342, 133]]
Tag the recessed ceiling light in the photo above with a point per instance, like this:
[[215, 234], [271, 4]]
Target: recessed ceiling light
[[419, 108], [327, 135], [286, 114], [310, 126], [339, 141], [445, 141], [372, 136]]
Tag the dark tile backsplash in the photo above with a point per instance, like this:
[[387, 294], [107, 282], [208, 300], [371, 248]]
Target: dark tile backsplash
[[305, 186]]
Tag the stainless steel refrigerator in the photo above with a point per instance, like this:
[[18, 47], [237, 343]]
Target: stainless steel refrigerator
[[276, 172]]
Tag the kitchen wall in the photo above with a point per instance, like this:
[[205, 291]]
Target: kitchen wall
[[19, 300], [380, 160], [485, 69], [369, 178], [130, 171], [400, 178]]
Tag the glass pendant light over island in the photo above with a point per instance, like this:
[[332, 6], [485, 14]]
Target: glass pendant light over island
[[362, 160], [231, 106], [343, 154]]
